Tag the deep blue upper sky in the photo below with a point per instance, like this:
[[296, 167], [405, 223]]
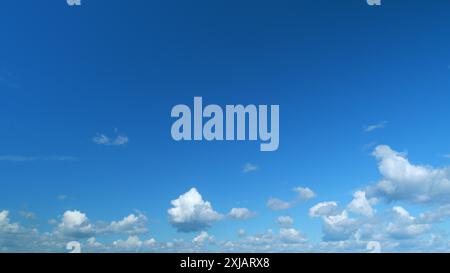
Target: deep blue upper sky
[[69, 73]]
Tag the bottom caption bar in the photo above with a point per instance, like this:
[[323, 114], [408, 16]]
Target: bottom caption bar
[[185, 262]]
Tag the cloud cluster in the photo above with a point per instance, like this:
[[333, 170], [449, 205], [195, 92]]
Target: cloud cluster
[[75, 224], [403, 181], [358, 224]]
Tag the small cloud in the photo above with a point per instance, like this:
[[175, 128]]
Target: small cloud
[[101, 139], [241, 213], [249, 167], [304, 194], [62, 197], [118, 140], [291, 236], [285, 221], [278, 204], [324, 209], [374, 127], [202, 238]]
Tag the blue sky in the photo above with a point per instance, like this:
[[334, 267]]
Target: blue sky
[[349, 78]]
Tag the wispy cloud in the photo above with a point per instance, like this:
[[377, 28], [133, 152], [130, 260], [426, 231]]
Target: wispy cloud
[[304, 194], [28, 215], [249, 167], [62, 197], [21, 158], [373, 127], [118, 140]]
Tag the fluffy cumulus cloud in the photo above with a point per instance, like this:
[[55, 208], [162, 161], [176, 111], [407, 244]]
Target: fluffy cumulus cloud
[[324, 209], [75, 224], [134, 243], [241, 213], [5, 224], [360, 205], [339, 227], [404, 181], [191, 213], [202, 237], [291, 235], [133, 224]]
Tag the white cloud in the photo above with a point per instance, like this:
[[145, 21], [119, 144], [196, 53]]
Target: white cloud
[[75, 224], [102, 139], [324, 209], [120, 140], [191, 213], [131, 224], [403, 181], [249, 167], [285, 221], [92, 242], [360, 204], [405, 226], [241, 213], [5, 225], [374, 127], [278, 204], [339, 227], [133, 242], [291, 235], [304, 194], [202, 238]]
